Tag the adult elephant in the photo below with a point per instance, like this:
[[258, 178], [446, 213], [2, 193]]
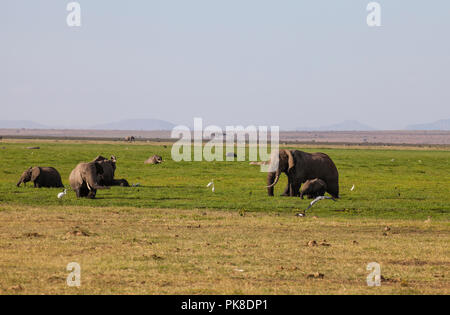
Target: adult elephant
[[84, 179], [109, 169], [41, 177], [301, 166]]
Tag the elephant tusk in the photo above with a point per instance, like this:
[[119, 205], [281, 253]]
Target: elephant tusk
[[275, 182]]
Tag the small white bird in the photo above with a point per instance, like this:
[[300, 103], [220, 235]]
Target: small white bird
[[353, 188], [62, 194], [318, 199], [211, 183]]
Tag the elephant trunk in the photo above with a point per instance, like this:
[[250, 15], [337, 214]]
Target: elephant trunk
[[272, 180], [20, 182]]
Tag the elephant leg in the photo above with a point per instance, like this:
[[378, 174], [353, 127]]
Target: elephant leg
[[83, 191], [92, 194], [296, 188]]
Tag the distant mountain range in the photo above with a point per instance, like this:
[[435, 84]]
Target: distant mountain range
[[156, 124], [18, 124], [443, 124], [136, 124], [131, 124], [348, 125]]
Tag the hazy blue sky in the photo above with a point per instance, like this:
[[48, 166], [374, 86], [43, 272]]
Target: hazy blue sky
[[287, 62]]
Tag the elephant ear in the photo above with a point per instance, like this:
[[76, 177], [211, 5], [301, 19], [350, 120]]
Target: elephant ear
[[99, 159], [35, 172], [113, 162], [290, 159]]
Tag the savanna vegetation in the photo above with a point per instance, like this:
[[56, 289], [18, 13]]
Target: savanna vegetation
[[172, 234]]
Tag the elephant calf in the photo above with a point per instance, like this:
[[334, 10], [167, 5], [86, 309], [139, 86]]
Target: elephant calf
[[47, 177], [313, 188]]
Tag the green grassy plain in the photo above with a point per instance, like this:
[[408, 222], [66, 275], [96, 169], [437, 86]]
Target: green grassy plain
[[409, 184], [173, 235]]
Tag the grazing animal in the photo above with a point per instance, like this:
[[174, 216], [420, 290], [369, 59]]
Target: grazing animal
[[84, 179], [299, 167], [313, 188], [47, 177], [156, 159], [130, 139]]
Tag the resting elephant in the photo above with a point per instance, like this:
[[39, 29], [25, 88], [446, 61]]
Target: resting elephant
[[156, 159], [41, 177], [313, 188], [109, 169], [84, 179], [121, 183], [299, 167]]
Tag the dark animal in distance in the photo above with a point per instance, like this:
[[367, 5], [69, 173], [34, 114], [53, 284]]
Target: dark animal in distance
[[130, 139], [47, 177]]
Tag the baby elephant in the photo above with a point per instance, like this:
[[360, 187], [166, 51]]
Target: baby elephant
[[41, 177], [313, 188]]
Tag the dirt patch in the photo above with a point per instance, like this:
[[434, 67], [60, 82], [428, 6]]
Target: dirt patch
[[33, 235], [77, 231]]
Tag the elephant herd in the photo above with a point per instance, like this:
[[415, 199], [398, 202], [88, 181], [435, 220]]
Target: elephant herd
[[314, 173], [85, 179]]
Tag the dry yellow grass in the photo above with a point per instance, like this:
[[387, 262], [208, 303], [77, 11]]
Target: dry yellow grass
[[148, 251]]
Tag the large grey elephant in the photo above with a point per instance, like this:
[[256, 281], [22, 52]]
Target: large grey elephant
[[84, 179], [301, 166], [41, 177]]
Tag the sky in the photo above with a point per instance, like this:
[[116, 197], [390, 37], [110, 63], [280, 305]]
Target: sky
[[290, 63]]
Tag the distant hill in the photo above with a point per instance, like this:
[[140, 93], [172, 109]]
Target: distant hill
[[136, 124], [18, 124], [348, 125], [443, 124]]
